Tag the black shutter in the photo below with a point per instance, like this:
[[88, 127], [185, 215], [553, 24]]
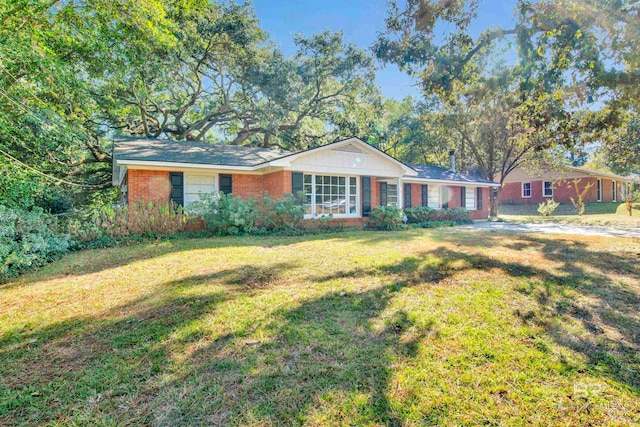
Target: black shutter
[[366, 196], [445, 197], [297, 183], [226, 183], [425, 195], [407, 195], [463, 197], [479, 198], [383, 194], [177, 188]]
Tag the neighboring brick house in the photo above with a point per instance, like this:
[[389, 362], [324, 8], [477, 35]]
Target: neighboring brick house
[[522, 187], [346, 178]]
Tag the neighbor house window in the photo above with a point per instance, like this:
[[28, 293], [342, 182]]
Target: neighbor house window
[[470, 198], [599, 189], [392, 195], [526, 189], [623, 191], [614, 190], [331, 195], [547, 189], [197, 184]]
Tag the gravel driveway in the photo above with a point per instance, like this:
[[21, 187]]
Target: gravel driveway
[[557, 229]]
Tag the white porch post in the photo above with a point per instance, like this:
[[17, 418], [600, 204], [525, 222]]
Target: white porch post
[[400, 194]]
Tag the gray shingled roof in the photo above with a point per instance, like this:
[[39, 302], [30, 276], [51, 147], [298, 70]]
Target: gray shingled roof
[[162, 150], [436, 172]]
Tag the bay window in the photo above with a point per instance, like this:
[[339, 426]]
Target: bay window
[[331, 195]]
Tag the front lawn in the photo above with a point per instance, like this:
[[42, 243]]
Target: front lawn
[[598, 214], [421, 327]]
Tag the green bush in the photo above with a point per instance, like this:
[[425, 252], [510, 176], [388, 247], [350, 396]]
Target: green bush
[[28, 239], [547, 207], [225, 214], [419, 214], [438, 223], [386, 218], [280, 214], [452, 214]]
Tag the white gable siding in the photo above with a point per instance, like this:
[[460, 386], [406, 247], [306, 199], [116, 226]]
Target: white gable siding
[[347, 159]]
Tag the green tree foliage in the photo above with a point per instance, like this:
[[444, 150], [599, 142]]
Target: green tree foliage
[[73, 73], [574, 51]]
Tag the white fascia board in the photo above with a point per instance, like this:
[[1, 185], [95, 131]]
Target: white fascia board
[[178, 165], [412, 180]]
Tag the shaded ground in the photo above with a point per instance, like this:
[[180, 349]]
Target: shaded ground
[[423, 327], [550, 228]]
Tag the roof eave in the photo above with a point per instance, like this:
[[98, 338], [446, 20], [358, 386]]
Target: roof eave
[[452, 182]]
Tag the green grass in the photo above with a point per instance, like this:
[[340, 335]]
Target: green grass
[[422, 327], [598, 214]]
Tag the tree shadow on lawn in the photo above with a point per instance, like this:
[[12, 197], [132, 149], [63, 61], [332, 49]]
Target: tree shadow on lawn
[[327, 352], [608, 310], [333, 352], [92, 261], [73, 370]]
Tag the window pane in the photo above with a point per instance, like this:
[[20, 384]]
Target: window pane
[[307, 179], [352, 181]]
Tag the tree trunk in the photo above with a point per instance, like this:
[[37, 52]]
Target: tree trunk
[[494, 202]]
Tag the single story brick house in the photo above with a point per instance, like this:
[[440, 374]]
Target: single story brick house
[[522, 187], [347, 178]]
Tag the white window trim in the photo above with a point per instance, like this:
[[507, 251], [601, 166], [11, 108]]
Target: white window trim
[[550, 187], [347, 194], [397, 193], [599, 190], [614, 189], [522, 190], [439, 205], [216, 181], [467, 191]]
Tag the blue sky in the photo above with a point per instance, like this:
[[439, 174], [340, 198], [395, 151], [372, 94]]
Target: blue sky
[[360, 21]]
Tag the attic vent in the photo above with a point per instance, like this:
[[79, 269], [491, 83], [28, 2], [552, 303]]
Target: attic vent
[[349, 148]]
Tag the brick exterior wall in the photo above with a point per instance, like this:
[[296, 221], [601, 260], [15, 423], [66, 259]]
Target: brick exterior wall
[[145, 185], [277, 183], [454, 200], [416, 195], [148, 186], [454, 197], [563, 190], [375, 193], [484, 212]]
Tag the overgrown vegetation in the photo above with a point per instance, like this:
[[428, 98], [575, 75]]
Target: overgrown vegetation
[[386, 218], [28, 239]]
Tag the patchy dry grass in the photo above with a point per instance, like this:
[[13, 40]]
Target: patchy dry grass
[[598, 214], [425, 327]]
